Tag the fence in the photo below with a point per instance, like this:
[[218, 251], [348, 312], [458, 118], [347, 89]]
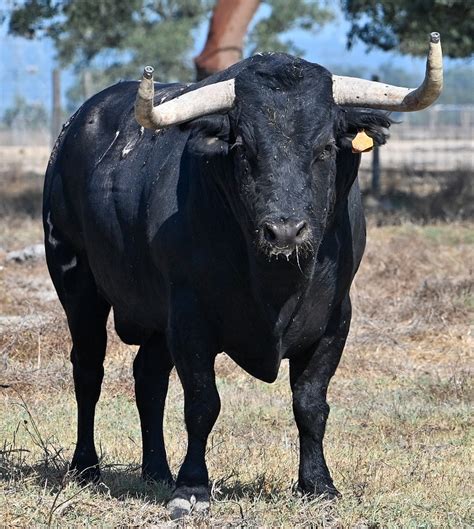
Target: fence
[[437, 140]]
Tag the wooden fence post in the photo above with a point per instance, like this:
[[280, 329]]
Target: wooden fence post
[[56, 118], [375, 184]]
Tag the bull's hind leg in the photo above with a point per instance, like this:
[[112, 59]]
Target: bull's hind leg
[[87, 318], [87, 322], [309, 378], [151, 370], [87, 314]]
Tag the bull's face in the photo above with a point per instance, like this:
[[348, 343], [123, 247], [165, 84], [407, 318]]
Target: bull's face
[[286, 145], [286, 184], [285, 162]]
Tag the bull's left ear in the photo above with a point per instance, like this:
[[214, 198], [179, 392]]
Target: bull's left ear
[[209, 135], [353, 120]]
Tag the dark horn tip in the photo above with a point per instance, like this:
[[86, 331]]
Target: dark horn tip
[[434, 37], [148, 72]]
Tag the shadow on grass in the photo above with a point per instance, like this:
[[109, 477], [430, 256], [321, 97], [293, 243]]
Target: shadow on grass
[[119, 483], [51, 470], [236, 490], [128, 483]]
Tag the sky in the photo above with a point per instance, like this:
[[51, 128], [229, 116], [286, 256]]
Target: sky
[[25, 64]]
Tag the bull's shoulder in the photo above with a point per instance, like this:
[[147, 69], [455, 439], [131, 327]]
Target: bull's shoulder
[[102, 119]]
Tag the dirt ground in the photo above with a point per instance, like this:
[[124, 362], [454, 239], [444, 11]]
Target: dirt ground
[[399, 438]]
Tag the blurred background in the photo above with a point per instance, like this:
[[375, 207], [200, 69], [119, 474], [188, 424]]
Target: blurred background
[[55, 55]]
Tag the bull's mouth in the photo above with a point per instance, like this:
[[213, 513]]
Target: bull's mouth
[[300, 251]]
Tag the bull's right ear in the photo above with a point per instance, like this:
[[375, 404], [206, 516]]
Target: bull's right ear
[[353, 120], [209, 135]]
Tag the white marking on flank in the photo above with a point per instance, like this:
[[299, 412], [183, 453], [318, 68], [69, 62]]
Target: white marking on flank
[[108, 148], [52, 241], [68, 266], [132, 143], [128, 148]]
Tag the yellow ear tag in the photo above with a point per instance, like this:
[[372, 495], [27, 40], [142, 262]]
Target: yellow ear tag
[[362, 142]]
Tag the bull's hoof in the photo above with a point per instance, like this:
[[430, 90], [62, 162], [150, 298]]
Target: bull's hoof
[[187, 500]]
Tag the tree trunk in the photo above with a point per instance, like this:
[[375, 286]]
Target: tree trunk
[[225, 39]]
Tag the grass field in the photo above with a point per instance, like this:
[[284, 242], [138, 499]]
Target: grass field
[[399, 438]]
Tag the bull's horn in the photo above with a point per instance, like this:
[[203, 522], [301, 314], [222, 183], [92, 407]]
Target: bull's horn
[[208, 99], [352, 91]]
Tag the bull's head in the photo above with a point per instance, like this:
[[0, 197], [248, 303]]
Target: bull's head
[[285, 129]]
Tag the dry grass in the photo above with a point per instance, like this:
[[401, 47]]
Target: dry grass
[[20, 209], [399, 434]]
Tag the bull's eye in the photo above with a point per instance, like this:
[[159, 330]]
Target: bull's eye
[[327, 152], [238, 143]]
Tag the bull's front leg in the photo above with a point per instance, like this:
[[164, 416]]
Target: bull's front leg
[[193, 351], [309, 378]]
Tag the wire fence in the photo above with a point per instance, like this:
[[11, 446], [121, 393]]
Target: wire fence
[[439, 139]]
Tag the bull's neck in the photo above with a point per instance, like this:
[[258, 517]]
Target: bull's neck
[[278, 286]]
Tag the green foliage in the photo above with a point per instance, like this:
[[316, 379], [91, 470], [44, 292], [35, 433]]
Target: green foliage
[[106, 41], [82, 30], [127, 35], [405, 24], [157, 30], [267, 35], [24, 114]]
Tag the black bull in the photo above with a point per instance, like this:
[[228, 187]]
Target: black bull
[[238, 232]]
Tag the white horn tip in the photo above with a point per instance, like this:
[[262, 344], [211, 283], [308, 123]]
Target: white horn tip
[[435, 37], [148, 72]]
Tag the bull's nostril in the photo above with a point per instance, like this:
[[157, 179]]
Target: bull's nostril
[[269, 232], [285, 234], [301, 229]]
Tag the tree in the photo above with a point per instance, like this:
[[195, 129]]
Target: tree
[[125, 36], [405, 24], [24, 114], [268, 33], [122, 35]]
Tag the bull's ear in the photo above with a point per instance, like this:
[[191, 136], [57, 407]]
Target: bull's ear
[[209, 135], [353, 120]]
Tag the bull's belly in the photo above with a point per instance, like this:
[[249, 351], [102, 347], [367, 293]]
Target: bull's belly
[[264, 366], [139, 305], [129, 331]]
